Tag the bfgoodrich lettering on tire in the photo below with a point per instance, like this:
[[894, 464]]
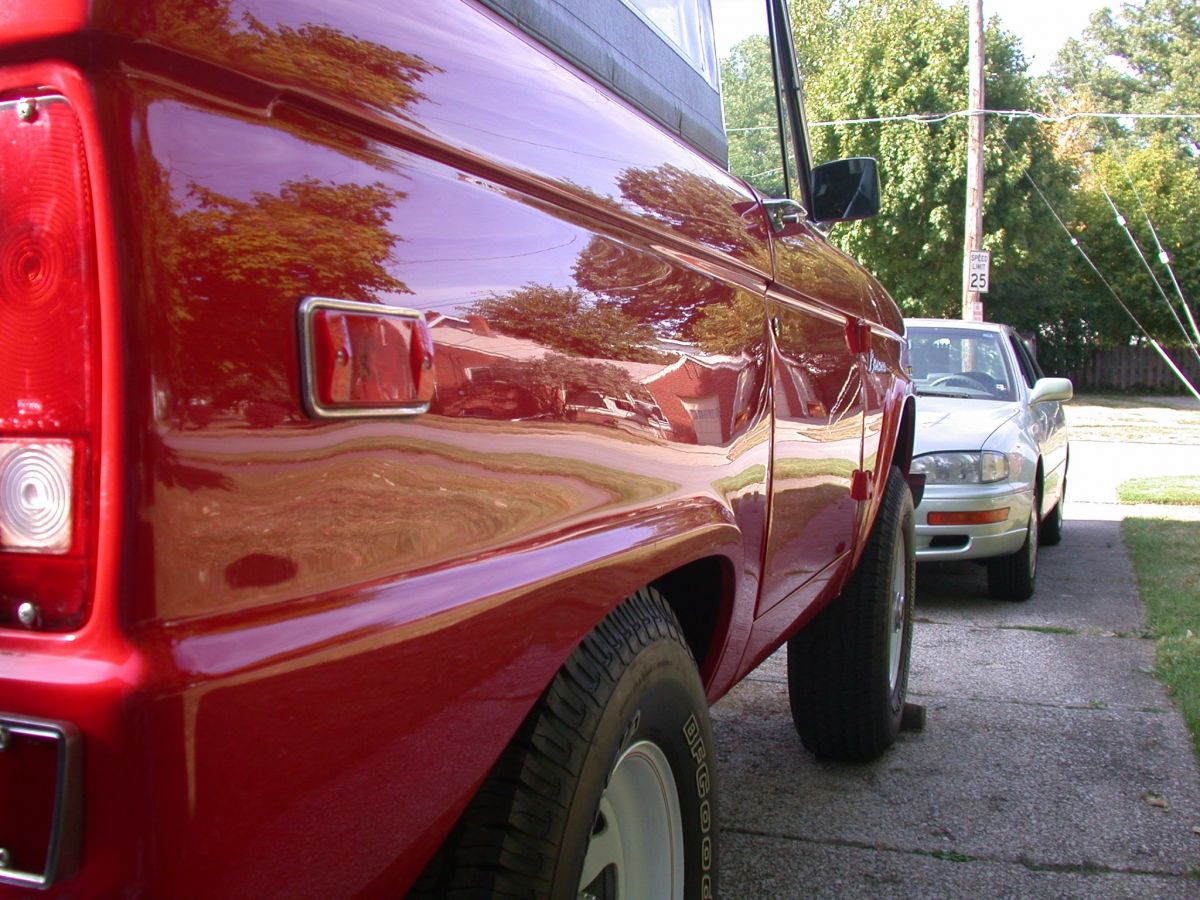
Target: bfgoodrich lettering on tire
[[848, 670], [608, 789]]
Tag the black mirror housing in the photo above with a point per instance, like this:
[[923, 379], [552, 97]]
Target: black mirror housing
[[845, 190]]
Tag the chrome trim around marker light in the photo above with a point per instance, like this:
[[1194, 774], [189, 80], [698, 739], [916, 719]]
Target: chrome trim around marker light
[[309, 307]]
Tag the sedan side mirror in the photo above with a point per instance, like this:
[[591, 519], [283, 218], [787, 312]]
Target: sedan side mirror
[[1045, 389], [845, 190]]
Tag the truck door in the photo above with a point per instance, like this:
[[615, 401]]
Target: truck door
[[815, 304]]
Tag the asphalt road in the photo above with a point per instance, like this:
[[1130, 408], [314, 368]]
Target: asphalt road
[[1052, 764]]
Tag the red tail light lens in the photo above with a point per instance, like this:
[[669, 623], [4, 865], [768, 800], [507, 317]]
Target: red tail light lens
[[47, 383]]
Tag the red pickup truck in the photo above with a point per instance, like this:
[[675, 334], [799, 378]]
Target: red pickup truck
[[408, 426]]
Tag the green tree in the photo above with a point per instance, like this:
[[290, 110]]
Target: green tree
[[863, 60], [751, 118], [1151, 186], [910, 56], [1143, 59]]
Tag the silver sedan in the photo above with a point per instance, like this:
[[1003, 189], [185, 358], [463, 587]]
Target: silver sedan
[[992, 444]]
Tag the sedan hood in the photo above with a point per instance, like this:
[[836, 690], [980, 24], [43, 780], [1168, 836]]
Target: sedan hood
[[951, 423]]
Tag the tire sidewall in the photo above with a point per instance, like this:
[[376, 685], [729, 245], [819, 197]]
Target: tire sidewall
[[905, 535], [658, 698], [1032, 540]]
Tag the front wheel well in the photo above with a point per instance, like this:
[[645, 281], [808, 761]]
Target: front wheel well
[[906, 437], [695, 592]]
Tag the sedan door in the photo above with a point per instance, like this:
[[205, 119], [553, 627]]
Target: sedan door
[[1047, 423]]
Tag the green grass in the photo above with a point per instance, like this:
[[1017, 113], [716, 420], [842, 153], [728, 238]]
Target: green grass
[[1165, 558], [1181, 490]]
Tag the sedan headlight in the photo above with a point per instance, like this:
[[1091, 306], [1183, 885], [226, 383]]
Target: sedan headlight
[[981, 467]]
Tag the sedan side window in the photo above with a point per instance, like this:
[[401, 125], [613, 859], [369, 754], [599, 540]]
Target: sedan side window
[[1025, 362]]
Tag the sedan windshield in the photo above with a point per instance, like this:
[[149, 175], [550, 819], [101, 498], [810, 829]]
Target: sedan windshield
[[956, 362]]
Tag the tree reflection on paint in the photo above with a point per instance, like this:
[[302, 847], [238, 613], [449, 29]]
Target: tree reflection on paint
[[318, 57], [567, 320]]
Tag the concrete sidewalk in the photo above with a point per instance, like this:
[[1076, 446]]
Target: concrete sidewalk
[[1052, 765]]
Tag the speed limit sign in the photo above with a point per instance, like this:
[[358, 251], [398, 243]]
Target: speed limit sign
[[979, 263]]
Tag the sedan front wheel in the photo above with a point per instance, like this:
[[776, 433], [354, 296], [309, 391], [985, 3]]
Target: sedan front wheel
[[1012, 577]]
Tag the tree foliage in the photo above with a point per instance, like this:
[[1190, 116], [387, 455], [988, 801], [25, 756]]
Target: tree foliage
[[864, 60], [910, 56], [1143, 59]]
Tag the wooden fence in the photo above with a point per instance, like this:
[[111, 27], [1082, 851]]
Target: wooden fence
[[1136, 369]]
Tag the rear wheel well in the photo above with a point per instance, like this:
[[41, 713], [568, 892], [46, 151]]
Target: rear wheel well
[[695, 593]]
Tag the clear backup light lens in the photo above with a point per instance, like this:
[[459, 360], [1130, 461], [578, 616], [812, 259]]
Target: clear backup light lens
[[961, 467], [36, 496]]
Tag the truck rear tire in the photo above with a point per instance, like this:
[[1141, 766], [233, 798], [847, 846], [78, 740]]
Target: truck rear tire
[[609, 780], [848, 669]]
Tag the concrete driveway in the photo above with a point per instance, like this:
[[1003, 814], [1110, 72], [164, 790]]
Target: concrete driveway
[[1052, 764]]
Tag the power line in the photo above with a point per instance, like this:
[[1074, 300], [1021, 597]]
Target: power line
[[1124, 226], [1163, 256], [935, 118], [1078, 246]]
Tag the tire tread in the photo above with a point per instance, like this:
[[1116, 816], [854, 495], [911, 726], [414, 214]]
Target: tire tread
[[837, 706], [505, 844]]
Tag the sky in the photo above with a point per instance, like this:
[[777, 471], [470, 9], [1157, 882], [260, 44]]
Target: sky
[[1042, 25]]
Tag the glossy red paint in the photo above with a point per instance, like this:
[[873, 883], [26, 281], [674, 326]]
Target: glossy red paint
[[311, 638]]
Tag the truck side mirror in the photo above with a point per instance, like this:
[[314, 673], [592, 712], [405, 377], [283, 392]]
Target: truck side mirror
[[845, 190]]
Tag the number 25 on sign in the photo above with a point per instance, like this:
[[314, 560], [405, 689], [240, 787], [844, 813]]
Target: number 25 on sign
[[979, 264]]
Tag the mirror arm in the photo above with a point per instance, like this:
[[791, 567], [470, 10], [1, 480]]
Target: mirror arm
[[784, 211]]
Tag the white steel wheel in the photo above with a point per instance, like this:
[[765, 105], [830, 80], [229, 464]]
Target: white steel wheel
[[636, 848], [898, 619]]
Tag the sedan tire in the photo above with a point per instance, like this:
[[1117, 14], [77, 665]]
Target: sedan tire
[[1012, 577], [1052, 525]]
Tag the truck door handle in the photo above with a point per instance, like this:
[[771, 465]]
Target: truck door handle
[[784, 211]]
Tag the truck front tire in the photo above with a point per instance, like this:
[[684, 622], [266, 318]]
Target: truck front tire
[[848, 670]]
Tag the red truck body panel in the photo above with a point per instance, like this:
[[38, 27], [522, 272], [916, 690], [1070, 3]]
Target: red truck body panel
[[309, 639]]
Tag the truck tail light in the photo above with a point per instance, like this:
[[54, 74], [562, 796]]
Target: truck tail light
[[48, 375]]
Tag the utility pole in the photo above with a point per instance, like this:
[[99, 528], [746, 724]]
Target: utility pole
[[972, 304]]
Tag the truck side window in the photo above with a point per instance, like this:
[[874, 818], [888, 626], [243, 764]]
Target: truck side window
[[761, 149]]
